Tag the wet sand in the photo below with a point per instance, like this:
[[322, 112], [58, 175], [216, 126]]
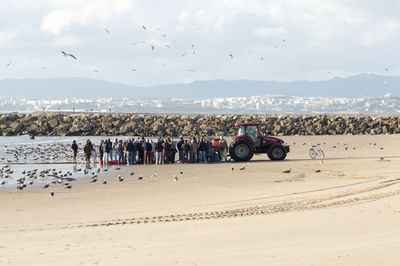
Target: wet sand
[[346, 214]]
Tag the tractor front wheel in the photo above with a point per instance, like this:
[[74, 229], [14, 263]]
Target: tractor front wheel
[[241, 150], [276, 152]]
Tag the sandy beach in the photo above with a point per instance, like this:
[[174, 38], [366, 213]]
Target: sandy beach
[[342, 211]]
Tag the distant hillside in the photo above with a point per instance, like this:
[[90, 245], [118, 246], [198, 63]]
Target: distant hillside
[[363, 85]]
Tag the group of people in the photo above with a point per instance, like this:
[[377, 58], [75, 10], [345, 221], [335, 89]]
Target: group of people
[[161, 151]]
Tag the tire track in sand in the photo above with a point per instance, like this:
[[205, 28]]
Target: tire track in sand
[[319, 202]]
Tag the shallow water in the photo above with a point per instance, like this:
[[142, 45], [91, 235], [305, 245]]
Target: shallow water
[[20, 154]]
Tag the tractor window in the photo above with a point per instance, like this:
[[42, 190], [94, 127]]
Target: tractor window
[[251, 131], [241, 131]]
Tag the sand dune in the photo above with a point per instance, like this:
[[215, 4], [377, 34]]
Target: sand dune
[[347, 213]]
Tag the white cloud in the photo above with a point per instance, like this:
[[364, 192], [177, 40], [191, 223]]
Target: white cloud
[[91, 12]]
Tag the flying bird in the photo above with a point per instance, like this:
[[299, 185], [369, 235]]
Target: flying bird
[[144, 27], [262, 58], [107, 30], [231, 55], [9, 64], [66, 54], [152, 47]]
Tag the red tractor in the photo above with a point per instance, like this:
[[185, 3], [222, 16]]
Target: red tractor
[[249, 141]]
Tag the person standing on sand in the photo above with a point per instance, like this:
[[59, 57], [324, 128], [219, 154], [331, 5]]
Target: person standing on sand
[[159, 150], [87, 149], [223, 147], [101, 151], [186, 151], [147, 152], [107, 151], [94, 154], [114, 150], [120, 149], [202, 151], [166, 146], [209, 152], [140, 151], [180, 150], [193, 151], [172, 150], [130, 152], [74, 148]]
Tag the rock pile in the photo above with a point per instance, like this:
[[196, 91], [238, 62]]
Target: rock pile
[[89, 124]]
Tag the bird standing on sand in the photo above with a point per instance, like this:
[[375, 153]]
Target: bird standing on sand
[[242, 168], [132, 173], [318, 171], [120, 178], [140, 177], [287, 171], [181, 172], [105, 182], [46, 186], [51, 194], [67, 54], [176, 178]]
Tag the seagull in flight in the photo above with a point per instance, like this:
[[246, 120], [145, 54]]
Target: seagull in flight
[[107, 30], [152, 47], [231, 55], [66, 54], [144, 27], [9, 64], [262, 58]]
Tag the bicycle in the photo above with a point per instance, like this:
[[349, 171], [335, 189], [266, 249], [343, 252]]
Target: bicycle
[[316, 152]]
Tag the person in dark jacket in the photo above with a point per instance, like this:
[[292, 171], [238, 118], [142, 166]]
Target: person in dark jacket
[[107, 151], [87, 149], [140, 150], [147, 151], [101, 151], [180, 150], [202, 151], [74, 148], [130, 152], [159, 151]]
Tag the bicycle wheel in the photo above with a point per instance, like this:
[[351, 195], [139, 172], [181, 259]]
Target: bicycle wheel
[[313, 153]]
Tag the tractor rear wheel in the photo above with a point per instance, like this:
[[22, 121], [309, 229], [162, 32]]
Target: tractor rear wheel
[[276, 152], [241, 150]]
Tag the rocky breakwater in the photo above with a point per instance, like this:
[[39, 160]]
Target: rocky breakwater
[[88, 124]]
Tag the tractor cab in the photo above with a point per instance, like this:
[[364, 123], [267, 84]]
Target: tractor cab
[[249, 130]]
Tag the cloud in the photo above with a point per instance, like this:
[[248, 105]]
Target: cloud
[[91, 12]]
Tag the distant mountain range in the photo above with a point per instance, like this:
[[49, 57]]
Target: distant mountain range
[[362, 85]]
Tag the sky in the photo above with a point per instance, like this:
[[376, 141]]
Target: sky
[[280, 40]]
